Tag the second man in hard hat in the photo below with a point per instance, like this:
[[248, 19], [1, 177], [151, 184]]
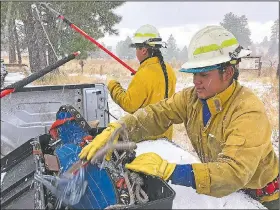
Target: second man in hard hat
[[155, 80]]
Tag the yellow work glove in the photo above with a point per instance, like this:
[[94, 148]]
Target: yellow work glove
[[99, 141], [110, 78], [152, 164]]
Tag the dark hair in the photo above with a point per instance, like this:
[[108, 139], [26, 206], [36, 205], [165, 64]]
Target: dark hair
[[236, 72], [155, 52], [235, 69]]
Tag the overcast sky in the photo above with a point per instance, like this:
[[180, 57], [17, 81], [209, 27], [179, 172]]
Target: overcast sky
[[183, 19]]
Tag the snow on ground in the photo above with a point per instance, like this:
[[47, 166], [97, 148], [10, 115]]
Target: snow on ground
[[73, 74], [97, 76], [257, 87], [13, 77], [186, 197]]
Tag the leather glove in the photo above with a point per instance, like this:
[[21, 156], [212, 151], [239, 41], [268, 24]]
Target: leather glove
[[110, 78], [101, 140], [152, 164]]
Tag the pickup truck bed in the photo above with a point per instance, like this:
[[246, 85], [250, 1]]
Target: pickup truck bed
[[30, 111]]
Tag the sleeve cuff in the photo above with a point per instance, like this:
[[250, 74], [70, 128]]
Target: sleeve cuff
[[202, 178], [111, 85]]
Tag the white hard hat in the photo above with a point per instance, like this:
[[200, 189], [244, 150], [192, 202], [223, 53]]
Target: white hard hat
[[211, 46], [147, 35]]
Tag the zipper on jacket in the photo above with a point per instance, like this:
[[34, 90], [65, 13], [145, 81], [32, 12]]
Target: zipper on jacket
[[204, 135]]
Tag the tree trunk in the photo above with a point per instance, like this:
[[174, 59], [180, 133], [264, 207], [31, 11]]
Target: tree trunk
[[9, 34], [17, 45], [41, 42], [12, 48], [31, 39], [53, 36]]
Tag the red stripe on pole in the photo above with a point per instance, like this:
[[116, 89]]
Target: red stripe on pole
[[6, 92], [61, 17], [76, 53], [101, 47], [90, 39]]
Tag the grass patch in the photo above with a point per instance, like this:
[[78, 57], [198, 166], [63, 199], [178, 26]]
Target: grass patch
[[271, 101], [60, 79]]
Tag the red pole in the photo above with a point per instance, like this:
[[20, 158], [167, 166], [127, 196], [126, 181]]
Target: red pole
[[7, 92], [101, 47], [80, 31]]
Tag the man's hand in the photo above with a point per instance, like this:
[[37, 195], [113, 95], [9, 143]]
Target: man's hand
[[100, 140], [152, 164]]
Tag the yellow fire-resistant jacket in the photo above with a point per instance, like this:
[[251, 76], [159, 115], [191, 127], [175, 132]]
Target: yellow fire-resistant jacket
[[147, 87], [234, 147]]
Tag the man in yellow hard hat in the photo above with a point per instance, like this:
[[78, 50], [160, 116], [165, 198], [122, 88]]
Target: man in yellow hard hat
[[155, 80], [225, 121]]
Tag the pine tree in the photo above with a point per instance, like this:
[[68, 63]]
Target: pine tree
[[123, 49], [238, 26], [172, 50], [274, 39], [96, 18], [183, 55]]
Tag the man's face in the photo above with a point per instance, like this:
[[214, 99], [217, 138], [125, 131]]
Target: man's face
[[208, 84], [141, 53]]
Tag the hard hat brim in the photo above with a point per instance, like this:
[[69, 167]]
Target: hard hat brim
[[199, 70], [140, 45], [203, 66]]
